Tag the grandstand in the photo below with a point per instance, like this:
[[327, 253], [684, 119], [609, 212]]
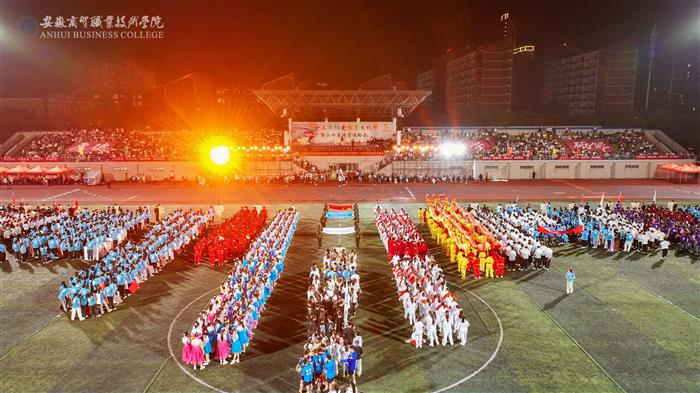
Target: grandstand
[[358, 132], [366, 146]]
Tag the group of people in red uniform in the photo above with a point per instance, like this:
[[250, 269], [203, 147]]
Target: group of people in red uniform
[[492, 258], [232, 238], [401, 247]]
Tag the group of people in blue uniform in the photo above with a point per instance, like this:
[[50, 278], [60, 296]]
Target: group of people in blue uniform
[[71, 233], [15, 220], [225, 326], [95, 290]]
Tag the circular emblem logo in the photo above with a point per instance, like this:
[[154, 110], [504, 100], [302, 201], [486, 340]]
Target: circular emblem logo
[[28, 26]]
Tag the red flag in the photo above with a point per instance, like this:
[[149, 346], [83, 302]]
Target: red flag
[[619, 198], [75, 205], [339, 207], [134, 287], [542, 229]]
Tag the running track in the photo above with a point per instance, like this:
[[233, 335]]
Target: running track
[[524, 190]]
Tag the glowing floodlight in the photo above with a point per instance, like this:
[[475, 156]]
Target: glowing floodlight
[[452, 149], [220, 155]]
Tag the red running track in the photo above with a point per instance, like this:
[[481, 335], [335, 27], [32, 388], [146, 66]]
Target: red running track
[[524, 190]]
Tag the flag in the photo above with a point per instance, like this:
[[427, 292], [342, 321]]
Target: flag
[[14, 200], [654, 198], [602, 200], [582, 202], [577, 229], [134, 287], [517, 198], [508, 151], [619, 198], [75, 205]]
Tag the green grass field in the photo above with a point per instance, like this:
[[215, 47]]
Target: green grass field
[[631, 325]]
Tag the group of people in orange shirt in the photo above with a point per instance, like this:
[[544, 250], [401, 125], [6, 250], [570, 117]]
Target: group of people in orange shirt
[[465, 241], [232, 238]]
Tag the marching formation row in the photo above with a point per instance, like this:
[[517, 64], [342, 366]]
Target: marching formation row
[[334, 348], [98, 289], [422, 289], [225, 326]]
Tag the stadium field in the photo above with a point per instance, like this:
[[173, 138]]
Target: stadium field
[[631, 325]]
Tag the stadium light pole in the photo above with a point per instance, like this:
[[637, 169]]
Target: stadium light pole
[[652, 49]]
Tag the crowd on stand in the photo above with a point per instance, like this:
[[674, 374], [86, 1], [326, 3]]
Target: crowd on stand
[[225, 326], [118, 144], [421, 288], [263, 153], [374, 144], [543, 144], [232, 238], [535, 145], [258, 137], [107, 145], [417, 144], [625, 144], [333, 349], [100, 288], [433, 137]]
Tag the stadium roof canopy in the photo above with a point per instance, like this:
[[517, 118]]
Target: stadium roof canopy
[[342, 104]]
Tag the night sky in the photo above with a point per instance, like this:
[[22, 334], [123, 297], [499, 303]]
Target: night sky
[[245, 43]]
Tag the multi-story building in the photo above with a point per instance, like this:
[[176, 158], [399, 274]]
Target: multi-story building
[[601, 81], [675, 79], [528, 78], [509, 26], [434, 80], [479, 80], [460, 84], [495, 76], [426, 81]]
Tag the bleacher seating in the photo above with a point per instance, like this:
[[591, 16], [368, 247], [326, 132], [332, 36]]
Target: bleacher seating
[[416, 144]]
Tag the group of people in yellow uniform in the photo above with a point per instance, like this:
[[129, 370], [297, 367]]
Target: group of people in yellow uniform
[[465, 241]]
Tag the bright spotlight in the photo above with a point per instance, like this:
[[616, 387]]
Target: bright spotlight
[[452, 149], [220, 155]]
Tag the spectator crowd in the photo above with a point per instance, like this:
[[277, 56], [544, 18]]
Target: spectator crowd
[[416, 144], [541, 144], [102, 144]]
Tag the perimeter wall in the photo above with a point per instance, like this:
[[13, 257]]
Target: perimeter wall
[[558, 169]]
